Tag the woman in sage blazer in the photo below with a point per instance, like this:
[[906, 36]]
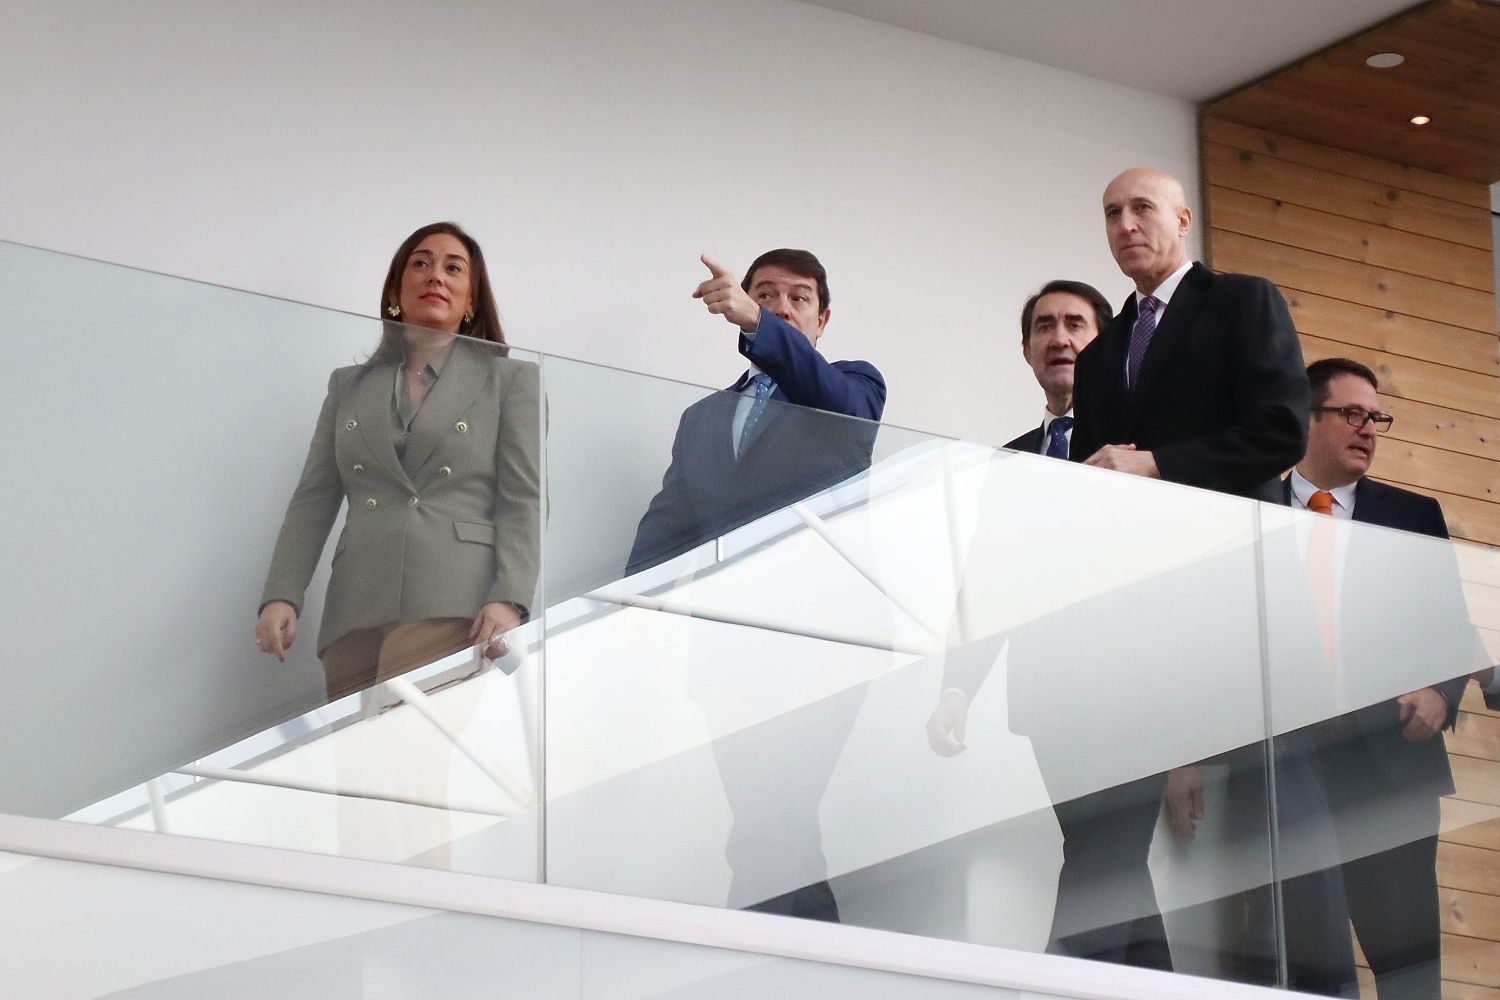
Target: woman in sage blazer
[[434, 444]]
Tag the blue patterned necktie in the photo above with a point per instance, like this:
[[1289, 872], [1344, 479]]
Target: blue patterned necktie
[[1057, 437], [763, 389], [1140, 336]]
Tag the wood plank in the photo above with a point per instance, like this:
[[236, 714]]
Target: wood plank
[[1394, 333], [1313, 187], [1476, 780], [1463, 991], [1484, 608], [1471, 823], [1358, 93], [1478, 737], [1467, 17], [1449, 61], [1440, 427], [1434, 34], [1386, 173], [1471, 960], [1460, 866], [1412, 378], [1473, 702], [1469, 914], [1468, 72], [1448, 471], [1388, 135], [1477, 565], [1352, 281], [1351, 239]]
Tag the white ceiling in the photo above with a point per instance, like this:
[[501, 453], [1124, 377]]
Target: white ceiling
[[1189, 49]]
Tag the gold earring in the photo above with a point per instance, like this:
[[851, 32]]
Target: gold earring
[[469, 316], [394, 310]]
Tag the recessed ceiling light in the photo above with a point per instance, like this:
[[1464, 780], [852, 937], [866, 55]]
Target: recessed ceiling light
[[1420, 120], [1385, 60]]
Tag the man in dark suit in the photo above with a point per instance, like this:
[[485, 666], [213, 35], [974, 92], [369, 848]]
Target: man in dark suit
[[1199, 379], [737, 456], [1385, 765], [1056, 324], [1106, 905]]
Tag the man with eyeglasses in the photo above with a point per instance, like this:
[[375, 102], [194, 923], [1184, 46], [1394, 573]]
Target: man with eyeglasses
[[1384, 765]]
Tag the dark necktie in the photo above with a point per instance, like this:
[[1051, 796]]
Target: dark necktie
[[1057, 437], [1140, 336], [763, 388]]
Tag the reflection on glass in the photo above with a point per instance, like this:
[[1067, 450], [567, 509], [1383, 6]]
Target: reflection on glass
[[1370, 646]]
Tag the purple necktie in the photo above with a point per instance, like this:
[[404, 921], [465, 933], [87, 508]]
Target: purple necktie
[[1140, 336]]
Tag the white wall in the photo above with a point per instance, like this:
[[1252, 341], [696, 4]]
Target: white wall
[[596, 150]]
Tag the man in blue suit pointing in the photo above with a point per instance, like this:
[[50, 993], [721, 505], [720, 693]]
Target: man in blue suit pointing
[[737, 456], [743, 453]]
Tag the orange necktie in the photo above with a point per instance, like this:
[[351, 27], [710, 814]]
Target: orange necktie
[[1320, 570]]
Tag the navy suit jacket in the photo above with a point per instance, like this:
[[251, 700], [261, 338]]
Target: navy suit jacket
[[1368, 588], [797, 450], [1030, 441], [1222, 396]]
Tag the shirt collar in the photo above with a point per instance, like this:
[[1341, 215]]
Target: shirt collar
[[1302, 491], [436, 364], [1167, 288], [1048, 416]]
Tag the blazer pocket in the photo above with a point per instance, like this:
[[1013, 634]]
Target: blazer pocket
[[475, 531]]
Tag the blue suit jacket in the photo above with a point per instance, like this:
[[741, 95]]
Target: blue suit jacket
[[797, 451]]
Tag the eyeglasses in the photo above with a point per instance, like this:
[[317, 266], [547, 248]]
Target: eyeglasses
[[1355, 416]]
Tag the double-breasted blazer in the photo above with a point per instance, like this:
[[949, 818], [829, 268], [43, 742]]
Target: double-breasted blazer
[[1222, 397], [462, 530]]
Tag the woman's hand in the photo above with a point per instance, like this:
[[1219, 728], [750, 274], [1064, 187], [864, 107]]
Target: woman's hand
[[276, 629], [491, 624]]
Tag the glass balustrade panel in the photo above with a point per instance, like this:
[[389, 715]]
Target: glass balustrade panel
[[850, 671], [1385, 809], [167, 425]]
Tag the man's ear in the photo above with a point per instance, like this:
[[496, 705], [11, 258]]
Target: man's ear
[[1184, 220], [1026, 350], [822, 325]]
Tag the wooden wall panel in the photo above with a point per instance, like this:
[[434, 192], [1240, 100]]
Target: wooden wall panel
[[1338, 161], [1389, 265], [1392, 332], [1351, 239], [1352, 281], [1411, 378], [1393, 266], [1344, 195]]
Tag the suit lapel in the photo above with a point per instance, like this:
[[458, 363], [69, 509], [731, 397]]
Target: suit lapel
[[1369, 501], [450, 398], [372, 408], [1187, 300]]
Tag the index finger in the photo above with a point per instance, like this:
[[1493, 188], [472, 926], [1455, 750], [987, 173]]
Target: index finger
[[714, 267]]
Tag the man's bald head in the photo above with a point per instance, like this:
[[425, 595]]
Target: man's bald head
[[1147, 220]]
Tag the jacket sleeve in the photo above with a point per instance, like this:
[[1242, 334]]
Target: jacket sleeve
[[1432, 522], [518, 498], [853, 388], [1269, 398], [310, 512]]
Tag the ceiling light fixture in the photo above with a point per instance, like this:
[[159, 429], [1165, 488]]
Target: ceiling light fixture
[[1385, 60], [1420, 120]]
